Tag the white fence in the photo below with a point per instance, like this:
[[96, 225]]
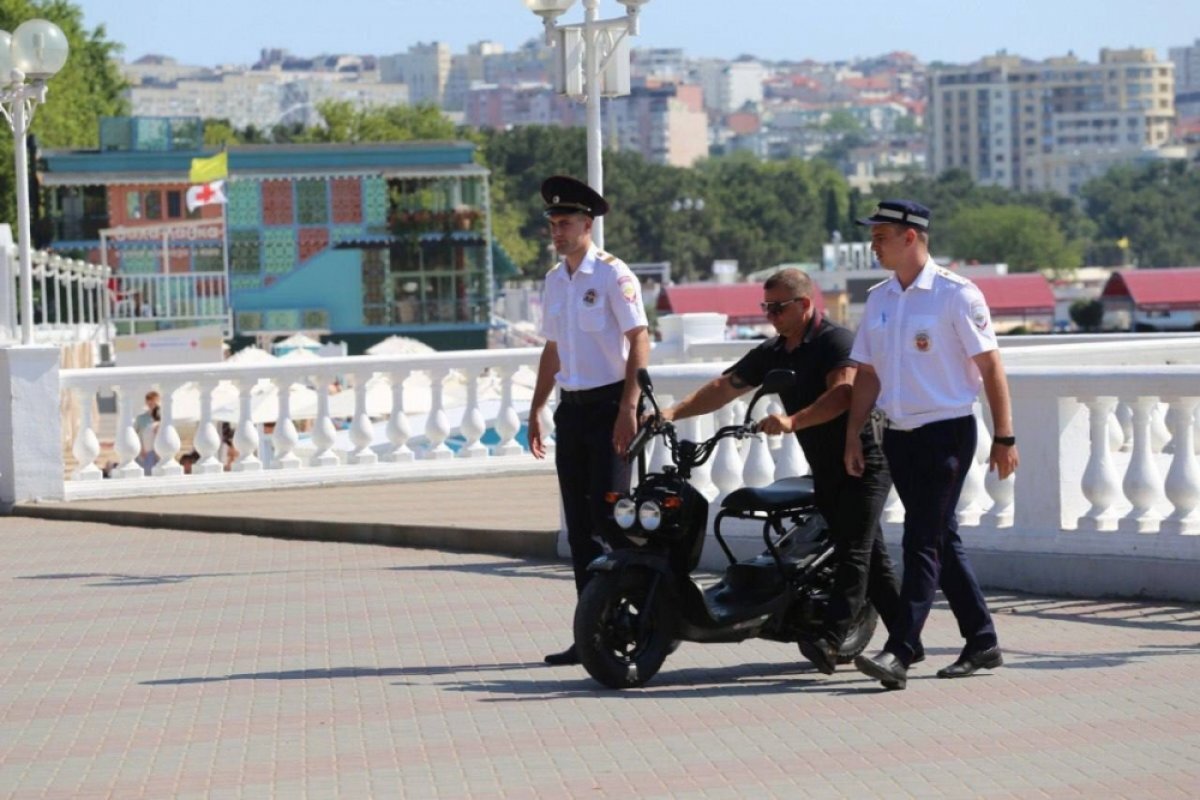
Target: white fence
[[184, 299], [1108, 435]]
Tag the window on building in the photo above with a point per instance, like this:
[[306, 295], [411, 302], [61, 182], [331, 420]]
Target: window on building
[[153, 205], [174, 205], [133, 205]]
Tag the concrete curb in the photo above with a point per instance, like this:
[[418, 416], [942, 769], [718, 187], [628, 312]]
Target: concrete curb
[[515, 543]]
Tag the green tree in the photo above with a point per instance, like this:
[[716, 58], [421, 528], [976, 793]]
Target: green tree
[[400, 123], [1024, 237], [88, 87], [1154, 206]]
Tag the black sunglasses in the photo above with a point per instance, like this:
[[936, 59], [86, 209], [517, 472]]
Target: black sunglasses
[[777, 307]]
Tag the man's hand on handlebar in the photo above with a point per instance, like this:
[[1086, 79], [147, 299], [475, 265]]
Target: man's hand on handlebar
[[776, 424]]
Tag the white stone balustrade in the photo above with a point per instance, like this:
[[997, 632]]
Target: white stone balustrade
[[1085, 490]]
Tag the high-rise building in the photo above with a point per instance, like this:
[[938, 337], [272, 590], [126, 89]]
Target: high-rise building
[[1187, 67], [424, 67], [1050, 125], [665, 123]]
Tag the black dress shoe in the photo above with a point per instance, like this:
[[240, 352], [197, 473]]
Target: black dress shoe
[[821, 653], [918, 655], [969, 663], [563, 659], [885, 668]]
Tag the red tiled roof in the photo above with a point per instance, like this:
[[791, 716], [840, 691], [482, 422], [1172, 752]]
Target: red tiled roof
[[738, 301], [1157, 289], [1009, 295]]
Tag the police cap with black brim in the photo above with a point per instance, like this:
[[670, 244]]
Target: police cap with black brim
[[899, 212], [566, 195]]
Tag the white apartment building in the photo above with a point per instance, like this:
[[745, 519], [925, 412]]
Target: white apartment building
[[1050, 125], [262, 98], [468, 69], [424, 67], [729, 86]]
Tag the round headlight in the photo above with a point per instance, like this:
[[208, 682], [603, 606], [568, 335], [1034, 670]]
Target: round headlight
[[650, 515], [624, 513]]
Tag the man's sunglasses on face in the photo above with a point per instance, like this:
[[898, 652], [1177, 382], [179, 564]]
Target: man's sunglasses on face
[[777, 306]]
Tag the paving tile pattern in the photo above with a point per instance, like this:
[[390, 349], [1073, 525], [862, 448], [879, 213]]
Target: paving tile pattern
[[153, 663]]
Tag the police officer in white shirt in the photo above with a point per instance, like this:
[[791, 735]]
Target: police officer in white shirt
[[925, 347], [596, 341]]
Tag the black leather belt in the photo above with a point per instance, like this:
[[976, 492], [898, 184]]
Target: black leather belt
[[600, 394]]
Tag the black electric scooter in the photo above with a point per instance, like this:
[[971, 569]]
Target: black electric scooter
[[642, 599]]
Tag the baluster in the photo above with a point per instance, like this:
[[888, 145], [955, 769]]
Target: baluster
[[323, 433], [1183, 477], [245, 438], [1100, 485], [86, 446], [727, 461], [1160, 437], [1124, 416], [207, 441], [893, 508], [789, 458], [398, 431], [546, 415], [473, 425], [971, 501], [285, 438], [697, 429], [508, 422], [127, 443], [437, 427], [759, 469], [1142, 484], [774, 407], [167, 443], [362, 432]]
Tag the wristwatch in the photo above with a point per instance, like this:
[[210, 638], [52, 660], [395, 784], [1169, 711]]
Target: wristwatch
[[1007, 441]]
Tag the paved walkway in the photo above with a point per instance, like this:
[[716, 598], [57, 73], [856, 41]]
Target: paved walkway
[[509, 515], [158, 663]]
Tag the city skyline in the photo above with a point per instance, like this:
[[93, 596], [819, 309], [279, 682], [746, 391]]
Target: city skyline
[[786, 32]]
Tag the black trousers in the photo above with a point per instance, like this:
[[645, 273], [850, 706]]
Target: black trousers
[[587, 470], [852, 506], [929, 465]]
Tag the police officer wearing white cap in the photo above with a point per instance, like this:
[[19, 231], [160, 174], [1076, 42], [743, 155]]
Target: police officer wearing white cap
[[925, 347], [596, 340]]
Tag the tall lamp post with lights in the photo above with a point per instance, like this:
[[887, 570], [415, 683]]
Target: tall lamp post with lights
[[29, 56], [591, 59]]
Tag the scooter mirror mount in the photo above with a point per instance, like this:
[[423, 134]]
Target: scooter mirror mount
[[776, 381], [647, 387]]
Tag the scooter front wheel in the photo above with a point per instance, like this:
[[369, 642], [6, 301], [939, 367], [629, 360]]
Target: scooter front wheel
[[625, 624]]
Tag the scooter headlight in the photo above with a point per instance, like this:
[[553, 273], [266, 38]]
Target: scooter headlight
[[650, 515], [625, 513]]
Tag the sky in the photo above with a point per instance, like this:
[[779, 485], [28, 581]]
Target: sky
[[956, 31]]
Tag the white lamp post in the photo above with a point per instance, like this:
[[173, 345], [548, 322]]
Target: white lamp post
[[592, 59], [34, 52]]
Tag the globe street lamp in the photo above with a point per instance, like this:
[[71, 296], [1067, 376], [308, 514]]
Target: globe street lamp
[[29, 56], [591, 60]]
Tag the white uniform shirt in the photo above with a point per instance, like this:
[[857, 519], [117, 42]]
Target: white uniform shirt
[[587, 316], [920, 342]]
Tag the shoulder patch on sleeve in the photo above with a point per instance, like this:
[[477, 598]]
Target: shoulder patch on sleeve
[[629, 288], [981, 317]]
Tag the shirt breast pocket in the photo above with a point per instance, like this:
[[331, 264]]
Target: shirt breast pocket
[[593, 319], [921, 334]]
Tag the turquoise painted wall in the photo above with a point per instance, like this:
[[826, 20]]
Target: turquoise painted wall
[[331, 281]]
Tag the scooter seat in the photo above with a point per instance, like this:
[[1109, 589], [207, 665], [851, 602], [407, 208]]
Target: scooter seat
[[780, 495]]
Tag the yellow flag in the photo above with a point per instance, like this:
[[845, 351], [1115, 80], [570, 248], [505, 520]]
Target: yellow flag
[[1123, 243], [207, 170]]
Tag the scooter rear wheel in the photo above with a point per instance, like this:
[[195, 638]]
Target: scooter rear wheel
[[621, 633]]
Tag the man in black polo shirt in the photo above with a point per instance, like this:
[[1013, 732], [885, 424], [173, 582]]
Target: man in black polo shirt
[[818, 351]]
